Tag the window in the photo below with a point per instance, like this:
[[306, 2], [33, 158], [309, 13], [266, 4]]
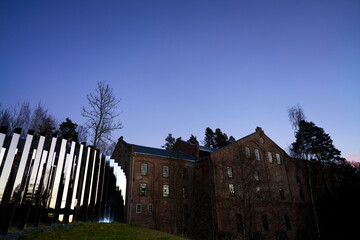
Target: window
[[229, 172], [232, 189], [165, 171], [278, 159], [138, 208], [184, 173], [150, 208], [258, 192], [166, 190], [240, 224], [184, 192], [270, 157], [247, 152], [144, 168], [301, 193], [143, 189], [282, 195], [257, 154], [265, 222], [256, 175], [287, 222], [262, 140], [298, 180]]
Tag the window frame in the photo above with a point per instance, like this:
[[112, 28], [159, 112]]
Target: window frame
[[141, 169], [278, 158], [138, 208], [150, 208], [166, 195], [166, 170], [143, 193], [257, 154], [229, 171], [247, 152], [270, 157]]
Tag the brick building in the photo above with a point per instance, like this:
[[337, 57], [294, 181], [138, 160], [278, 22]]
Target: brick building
[[249, 188]]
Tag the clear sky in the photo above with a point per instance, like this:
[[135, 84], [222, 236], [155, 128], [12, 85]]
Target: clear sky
[[182, 66]]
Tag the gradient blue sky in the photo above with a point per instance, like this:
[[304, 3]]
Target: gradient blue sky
[[182, 66]]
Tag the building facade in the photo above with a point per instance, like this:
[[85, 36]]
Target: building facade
[[250, 189]]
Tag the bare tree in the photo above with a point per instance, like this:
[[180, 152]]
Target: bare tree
[[296, 114], [100, 114]]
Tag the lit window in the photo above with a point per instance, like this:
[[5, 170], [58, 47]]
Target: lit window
[[232, 189], [144, 168], [229, 172], [282, 195], [165, 171], [166, 190], [278, 159], [138, 208], [256, 175], [258, 192], [143, 189], [150, 208], [270, 157], [247, 152], [257, 154]]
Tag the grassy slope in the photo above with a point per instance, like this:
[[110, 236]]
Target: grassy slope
[[107, 231]]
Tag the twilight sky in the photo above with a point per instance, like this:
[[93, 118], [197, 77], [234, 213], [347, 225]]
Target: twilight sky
[[182, 66]]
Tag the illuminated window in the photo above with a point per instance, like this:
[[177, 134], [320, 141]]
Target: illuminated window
[[270, 157], [229, 172], [143, 189], [165, 171], [166, 190], [247, 152], [138, 208], [257, 154], [232, 189], [144, 168], [278, 159]]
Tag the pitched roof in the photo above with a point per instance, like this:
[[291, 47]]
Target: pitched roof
[[162, 152]]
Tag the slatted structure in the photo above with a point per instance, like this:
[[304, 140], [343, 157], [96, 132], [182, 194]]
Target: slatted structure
[[52, 180]]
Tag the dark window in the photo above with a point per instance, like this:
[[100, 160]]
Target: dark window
[[287, 222], [282, 195], [298, 180], [184, 191], [186, 211], [240, 224], [265, 222], [184, 173], [301, 195], [258, 192]]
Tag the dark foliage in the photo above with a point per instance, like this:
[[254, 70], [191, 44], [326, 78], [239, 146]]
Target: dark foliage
[[67, 130]]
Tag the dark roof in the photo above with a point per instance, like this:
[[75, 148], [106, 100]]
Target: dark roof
[[162, 153], [207, 149]]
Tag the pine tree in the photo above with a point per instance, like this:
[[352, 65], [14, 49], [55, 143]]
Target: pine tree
[[170, 142]]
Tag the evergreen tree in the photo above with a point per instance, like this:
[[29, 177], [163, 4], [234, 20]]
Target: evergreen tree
[[312, 143], [170, 142], [209, 138], [67, 130], [192, 140]]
